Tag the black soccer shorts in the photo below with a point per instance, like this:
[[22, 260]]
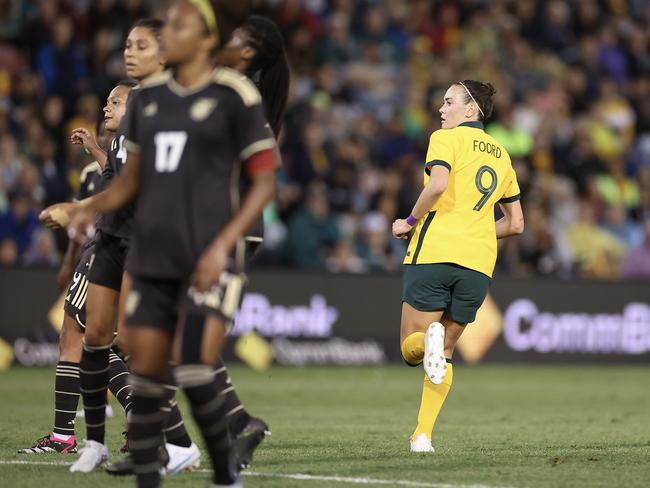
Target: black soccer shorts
[[108, 261], [159, 303], [75, 299]]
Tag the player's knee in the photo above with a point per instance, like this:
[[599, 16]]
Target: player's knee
[[70, 341], [98, 336], [69, 348], [147, 367]]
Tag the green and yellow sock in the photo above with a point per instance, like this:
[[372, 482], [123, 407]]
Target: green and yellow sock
[[433, 397]]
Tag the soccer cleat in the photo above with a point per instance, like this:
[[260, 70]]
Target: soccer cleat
[[245, 443], [92, 456], [434, 362], [182, 459], [421, 444], [50, 444], [124, 466], [121, 467]]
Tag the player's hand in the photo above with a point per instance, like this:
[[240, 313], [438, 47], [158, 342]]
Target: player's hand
[[401, 229], [212, 263], [57, 216], [82, 226], [82, 136]]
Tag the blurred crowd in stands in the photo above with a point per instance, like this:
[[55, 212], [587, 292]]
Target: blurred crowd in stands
[[572, 109]]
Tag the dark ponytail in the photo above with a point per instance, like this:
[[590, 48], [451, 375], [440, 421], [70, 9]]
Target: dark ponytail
[[269, 68], [482, 94]]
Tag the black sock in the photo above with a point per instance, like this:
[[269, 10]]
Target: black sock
[[118, 381], [201, 389], [236, 414], [145, 430], [174, 426], [66, 397], [94, 371]]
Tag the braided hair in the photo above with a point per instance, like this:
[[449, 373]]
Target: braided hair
[[269, 68]]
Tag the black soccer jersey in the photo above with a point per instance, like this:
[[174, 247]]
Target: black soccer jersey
[[119, 223], [191, 144], [90, 181]]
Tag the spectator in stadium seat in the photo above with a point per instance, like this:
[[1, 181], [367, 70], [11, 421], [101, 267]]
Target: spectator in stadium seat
[[517, 142], [637, 261], [617, 188], [10, 162], [20, 221], [37, 31], [8, 252], [42, 250], [617, 222], [312, 231], [597, 253], [61, 63]]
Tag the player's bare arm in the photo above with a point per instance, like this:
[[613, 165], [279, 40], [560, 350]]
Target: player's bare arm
[[427, 200], [77, 215], [84, 137], [512, 222]]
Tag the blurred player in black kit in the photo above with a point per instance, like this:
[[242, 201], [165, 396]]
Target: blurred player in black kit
[[257, 50], [184, 157]]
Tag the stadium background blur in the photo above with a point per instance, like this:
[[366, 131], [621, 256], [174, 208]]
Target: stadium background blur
[[572, 109]]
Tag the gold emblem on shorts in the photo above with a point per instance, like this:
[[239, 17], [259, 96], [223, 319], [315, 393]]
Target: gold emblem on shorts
[[202, 108], [132, 302]]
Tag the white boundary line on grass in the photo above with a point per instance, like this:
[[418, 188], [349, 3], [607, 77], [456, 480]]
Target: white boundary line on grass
[[295, 476]]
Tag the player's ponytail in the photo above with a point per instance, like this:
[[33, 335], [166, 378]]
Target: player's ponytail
[[481, 94], [269, 68]]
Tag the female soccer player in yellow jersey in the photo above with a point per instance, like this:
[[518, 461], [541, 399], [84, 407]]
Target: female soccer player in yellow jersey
[[452, 241]]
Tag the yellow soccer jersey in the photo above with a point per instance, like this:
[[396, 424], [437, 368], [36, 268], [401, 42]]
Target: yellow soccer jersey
[[460, 228]]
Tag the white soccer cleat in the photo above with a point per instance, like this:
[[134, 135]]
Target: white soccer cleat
[[434, 362], [421, 444], [182, 458], [92, 456]]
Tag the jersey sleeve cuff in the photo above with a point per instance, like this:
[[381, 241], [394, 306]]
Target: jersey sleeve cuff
[[131, 146], [256, 147], [438, 162], [261, 161], [511, 199]]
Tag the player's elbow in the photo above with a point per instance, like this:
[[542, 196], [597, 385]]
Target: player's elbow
[[437, 188], [517, 226]]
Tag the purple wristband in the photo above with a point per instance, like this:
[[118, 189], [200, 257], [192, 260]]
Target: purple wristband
[[411, 220]]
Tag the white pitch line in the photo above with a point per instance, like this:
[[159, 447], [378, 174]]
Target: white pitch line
[[296, 476]]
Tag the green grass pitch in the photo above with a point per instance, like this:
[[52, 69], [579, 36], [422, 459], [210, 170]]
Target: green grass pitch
[[502, 426]]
